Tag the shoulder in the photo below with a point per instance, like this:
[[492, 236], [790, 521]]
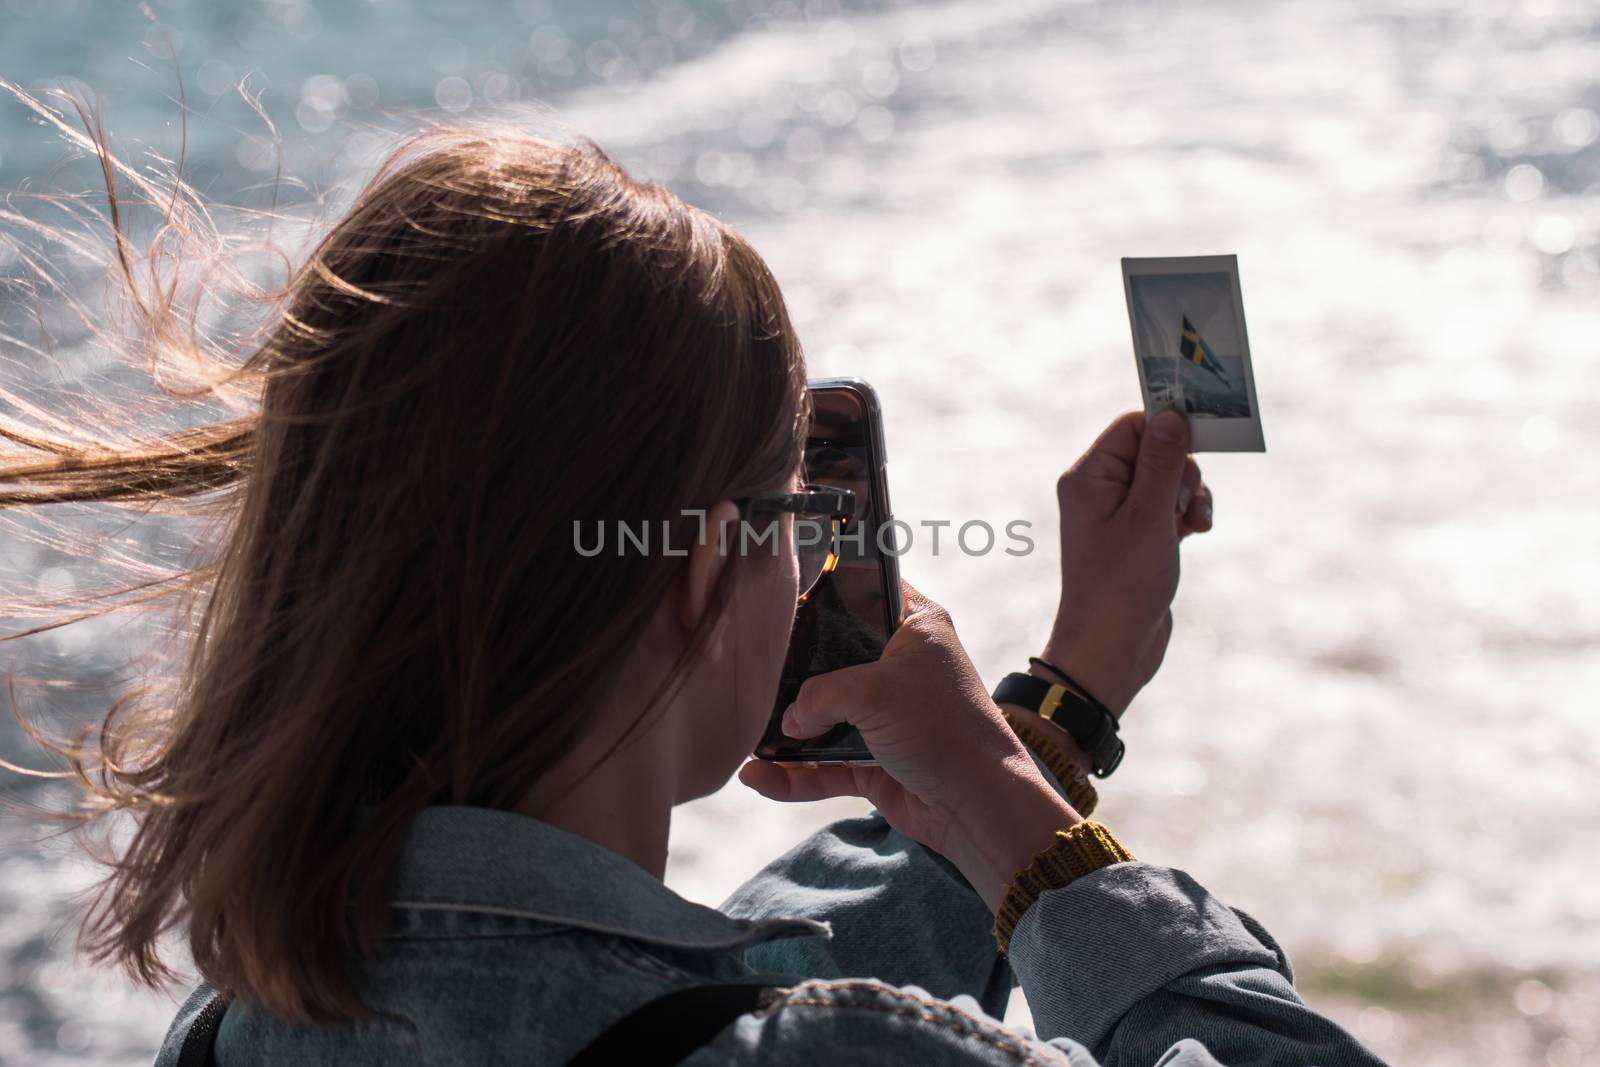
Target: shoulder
[[855, 1019]]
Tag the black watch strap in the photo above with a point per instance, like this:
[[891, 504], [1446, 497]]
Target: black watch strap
[[1090, 722]]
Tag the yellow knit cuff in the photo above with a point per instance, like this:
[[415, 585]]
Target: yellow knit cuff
[[1086, 847], [1080, 792]]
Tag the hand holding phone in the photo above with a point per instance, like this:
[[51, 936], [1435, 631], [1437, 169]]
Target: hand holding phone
[[950, 773]]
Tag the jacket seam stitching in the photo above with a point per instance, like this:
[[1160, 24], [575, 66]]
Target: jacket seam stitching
[[487, 935], [754, 934], [646, 964]]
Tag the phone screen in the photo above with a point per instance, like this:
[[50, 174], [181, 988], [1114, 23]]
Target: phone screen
[[850, 613]]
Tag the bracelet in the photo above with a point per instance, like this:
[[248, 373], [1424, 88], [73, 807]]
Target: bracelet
[[1069, 680], [1086, 847], [1081, 793]]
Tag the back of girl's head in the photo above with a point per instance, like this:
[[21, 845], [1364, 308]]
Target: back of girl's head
[[505, 335]]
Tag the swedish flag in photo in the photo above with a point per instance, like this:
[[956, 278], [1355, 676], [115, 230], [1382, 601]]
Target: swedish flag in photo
[[1193, 347]]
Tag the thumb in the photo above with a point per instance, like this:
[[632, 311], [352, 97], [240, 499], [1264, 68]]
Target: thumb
[[1158, 474], [845, 696]]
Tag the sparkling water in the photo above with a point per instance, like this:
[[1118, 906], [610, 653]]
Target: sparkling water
[[1376, 728]]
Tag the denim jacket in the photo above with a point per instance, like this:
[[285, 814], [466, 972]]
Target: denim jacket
[[515, 942]]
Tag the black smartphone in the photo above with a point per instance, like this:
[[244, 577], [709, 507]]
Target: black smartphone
[[849, 614]]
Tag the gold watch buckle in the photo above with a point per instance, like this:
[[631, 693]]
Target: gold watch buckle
[[1052, 701]]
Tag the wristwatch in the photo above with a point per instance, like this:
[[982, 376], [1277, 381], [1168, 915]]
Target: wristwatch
[[1090, 722]]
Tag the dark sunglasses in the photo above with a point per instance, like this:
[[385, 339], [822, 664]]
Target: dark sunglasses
[[820, 514]]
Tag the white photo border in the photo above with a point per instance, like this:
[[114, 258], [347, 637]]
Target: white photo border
[[1205, 435]]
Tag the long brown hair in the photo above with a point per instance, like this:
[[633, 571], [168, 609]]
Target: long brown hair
[[504, 335]]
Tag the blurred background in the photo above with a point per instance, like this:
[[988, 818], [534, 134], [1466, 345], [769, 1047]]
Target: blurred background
[[1376, 728]]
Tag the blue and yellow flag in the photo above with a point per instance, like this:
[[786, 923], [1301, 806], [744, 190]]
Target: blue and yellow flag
[[1192, 347]]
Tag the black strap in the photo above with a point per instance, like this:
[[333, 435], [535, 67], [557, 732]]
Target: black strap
[[664, 1031], [1090, 722], [660, 1033], [202, 1036]]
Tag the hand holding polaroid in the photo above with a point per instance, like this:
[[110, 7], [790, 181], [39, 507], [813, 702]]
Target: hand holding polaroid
[[1190, 346]]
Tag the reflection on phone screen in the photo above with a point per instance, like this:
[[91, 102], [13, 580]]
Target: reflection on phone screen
[[845, 620]]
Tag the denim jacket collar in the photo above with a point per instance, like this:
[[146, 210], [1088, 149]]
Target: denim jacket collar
[[492, 862]]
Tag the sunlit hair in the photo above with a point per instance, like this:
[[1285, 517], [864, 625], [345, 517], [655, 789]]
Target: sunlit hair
[[505, 333]]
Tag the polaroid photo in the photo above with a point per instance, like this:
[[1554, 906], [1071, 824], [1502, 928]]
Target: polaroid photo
[[1190, 346]]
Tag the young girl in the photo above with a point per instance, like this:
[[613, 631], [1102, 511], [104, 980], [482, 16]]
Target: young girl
[[410, 799]]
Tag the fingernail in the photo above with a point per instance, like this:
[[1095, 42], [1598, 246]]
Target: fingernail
[[1185, 495], [1208, 512], [1168, 427], [788, 720]]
